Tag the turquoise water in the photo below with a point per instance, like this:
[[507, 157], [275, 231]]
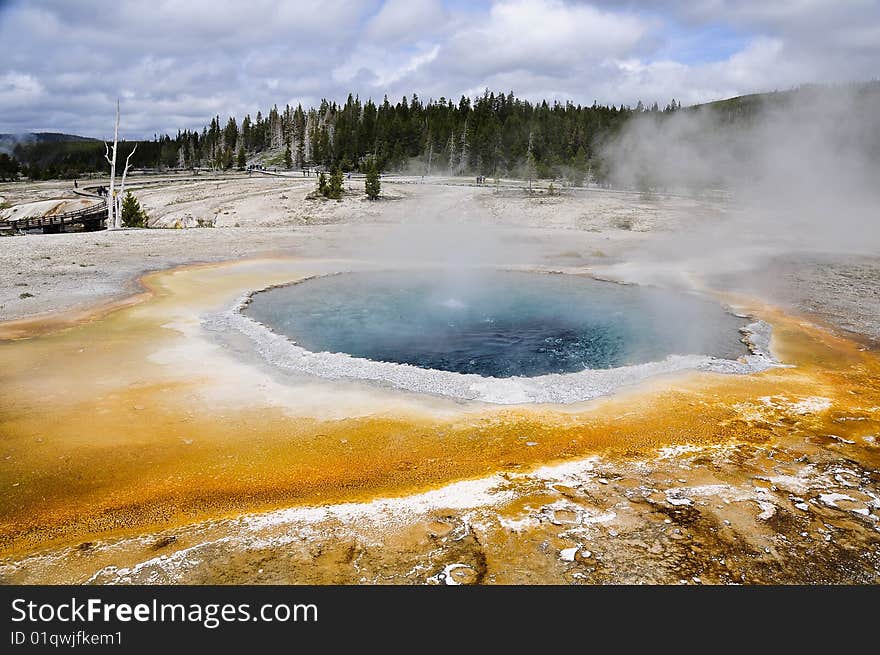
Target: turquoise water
[[497, 324]]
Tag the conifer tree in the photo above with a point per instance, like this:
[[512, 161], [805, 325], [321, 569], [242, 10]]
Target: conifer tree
[[373, 186], [132, 214], [579, 167], [334, 187], [8, 167]]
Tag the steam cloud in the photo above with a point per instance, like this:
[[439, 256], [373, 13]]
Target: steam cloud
[[802, 167]]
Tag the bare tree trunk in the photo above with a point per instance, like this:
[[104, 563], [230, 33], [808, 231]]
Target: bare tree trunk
[[430, 152], [530, 162], [111, 199], [122, 185], [453, 154], [463, 151]]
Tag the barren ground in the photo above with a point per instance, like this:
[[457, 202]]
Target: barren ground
[[136, 448]]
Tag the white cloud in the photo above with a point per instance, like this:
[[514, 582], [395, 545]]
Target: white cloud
[[384, 69], [179, 63], [758, 66], [542, 34], [19, 89], [406, 21]]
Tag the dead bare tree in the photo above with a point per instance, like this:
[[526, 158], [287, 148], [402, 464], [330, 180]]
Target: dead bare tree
[[122, 186], [111, 199]]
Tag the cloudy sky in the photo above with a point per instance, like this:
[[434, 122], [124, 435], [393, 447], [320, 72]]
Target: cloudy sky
[[174, 64]]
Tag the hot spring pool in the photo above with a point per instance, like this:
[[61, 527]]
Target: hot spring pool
[[496, 324]]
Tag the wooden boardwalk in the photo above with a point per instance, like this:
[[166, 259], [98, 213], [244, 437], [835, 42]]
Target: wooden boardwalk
[[91, 218]]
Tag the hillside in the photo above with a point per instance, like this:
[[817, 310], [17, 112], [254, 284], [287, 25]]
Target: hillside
[[9, 141], [747, 106], [68, 158]]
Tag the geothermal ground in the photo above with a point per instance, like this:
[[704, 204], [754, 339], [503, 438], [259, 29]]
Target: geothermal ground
[[142, 444]]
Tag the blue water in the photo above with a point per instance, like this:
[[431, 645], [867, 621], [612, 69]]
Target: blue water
[[497, 324]]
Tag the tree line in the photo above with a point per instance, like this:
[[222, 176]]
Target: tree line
[[70, 159], [492, 135]]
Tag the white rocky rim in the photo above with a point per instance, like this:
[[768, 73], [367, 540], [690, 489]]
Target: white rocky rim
[[282, 352]]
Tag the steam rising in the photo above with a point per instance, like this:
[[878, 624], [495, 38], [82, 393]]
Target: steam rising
[[802, 167], [782, 175]]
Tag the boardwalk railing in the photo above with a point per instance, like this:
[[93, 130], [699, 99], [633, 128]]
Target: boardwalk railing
[[85, 215]]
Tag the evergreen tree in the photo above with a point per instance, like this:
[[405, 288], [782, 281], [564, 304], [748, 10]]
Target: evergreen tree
[[8, 167], [300, 153], [242, 159], [372, 185], [334, 187], [288, 157], [132, 214], [579, 167]]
